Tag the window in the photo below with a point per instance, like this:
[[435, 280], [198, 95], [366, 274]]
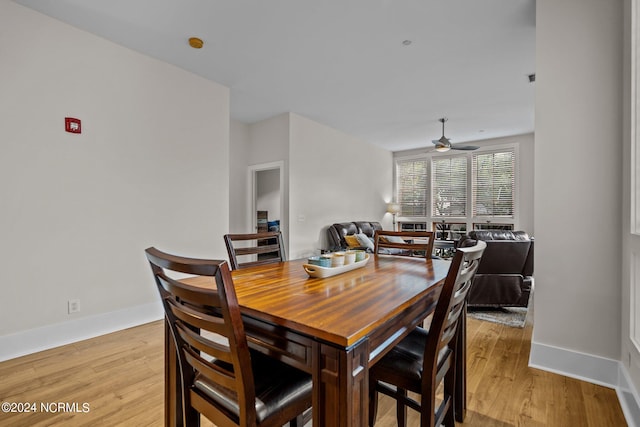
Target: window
[[471, 187], [494, 184], [449, 187], [411, 181]]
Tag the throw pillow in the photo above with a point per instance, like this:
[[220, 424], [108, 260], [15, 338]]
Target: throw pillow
[[392, 239], [352, 241], [365, 241]]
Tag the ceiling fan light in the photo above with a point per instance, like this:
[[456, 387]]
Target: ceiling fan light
[[442, 148]]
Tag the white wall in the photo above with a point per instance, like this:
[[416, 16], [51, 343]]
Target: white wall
[[151, 167], [269, 143], [269, 140], [329, 177], [578, 163], [257, 143], [239, 206], [525, 181], [334, 178]]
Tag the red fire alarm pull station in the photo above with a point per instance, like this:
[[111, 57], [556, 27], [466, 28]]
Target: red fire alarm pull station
[[72, 125]]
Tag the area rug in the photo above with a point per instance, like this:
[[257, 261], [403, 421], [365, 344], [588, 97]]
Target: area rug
[[511, 316]]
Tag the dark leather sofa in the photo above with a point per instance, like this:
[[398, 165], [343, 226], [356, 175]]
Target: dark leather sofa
[[505, 274], [337, 232]]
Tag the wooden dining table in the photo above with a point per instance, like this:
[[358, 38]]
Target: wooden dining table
[[334, 328]]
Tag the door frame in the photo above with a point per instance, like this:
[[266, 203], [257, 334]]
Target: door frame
[[253, 194]]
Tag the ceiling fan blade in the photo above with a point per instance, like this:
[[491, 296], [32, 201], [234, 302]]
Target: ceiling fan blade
[[464, 147]]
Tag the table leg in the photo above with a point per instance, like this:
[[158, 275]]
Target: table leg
[[460, 398], [340, 385]]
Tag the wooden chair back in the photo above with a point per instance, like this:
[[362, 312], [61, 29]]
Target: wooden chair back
[[405, 243], [440, 346], [192, 310], [247, 250], [434, 350]]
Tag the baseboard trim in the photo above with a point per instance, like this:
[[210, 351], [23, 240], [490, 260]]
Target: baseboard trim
[[582, 366], [50, 336], [629, 398], [594, 369]]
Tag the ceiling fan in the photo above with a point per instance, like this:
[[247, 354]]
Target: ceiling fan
[[444, 144]]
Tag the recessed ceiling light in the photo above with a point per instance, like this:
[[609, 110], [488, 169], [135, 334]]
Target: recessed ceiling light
[[196, 43], [406, 42]]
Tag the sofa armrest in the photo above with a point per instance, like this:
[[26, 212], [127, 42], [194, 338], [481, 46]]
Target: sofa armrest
[[333, 239]]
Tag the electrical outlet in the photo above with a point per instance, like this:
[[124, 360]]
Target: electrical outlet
[[73, 306]]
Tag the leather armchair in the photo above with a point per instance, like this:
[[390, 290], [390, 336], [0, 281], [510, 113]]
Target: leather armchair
[[505, 274]]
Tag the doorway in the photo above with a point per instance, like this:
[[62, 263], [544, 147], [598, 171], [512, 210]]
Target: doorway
[[267, 197]]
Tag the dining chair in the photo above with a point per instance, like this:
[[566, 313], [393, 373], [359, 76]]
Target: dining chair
[[247, 250], [426, 358], [220, 377], [404, 243]]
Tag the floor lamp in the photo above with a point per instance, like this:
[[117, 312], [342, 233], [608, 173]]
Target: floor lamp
[[393, 209]]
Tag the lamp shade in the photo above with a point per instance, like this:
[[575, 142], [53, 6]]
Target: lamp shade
[[393, 208]]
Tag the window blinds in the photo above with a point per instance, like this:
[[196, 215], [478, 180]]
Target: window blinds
[[449, 186], [494, 184], [411, 181]]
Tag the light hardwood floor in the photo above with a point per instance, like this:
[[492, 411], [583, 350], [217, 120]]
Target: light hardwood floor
[[120, 377]]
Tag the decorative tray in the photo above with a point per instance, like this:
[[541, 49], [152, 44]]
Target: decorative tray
[[317, 271]]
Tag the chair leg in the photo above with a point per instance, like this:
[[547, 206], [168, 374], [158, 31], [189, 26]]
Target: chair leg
[[401, 408], [297, 421], [373, 403], [449, 393], [192, 418], [449, 418]]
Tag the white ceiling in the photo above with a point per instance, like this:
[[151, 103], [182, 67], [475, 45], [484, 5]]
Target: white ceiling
[[343, 62]]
